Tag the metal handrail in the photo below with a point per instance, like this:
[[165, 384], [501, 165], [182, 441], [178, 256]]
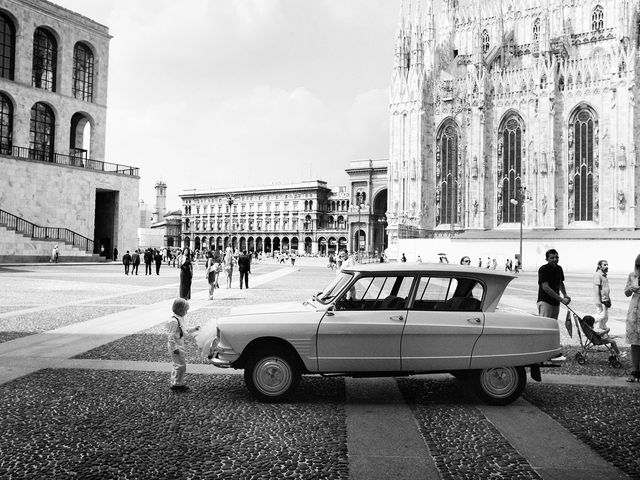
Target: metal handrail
[[78, 160], [25, 227]]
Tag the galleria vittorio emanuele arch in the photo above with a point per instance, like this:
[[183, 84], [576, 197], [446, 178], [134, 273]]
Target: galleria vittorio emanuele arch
[[505, 112]]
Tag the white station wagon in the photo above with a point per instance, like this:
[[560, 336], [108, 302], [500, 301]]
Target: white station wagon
[[390, 320]]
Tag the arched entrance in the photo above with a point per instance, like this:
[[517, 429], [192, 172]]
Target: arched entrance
[[250, 244], [234, 243], [380, 237], [243, 243], [294, 244], [332, 245], [258, 244], [276, 244], [267, 245], [285, 244], [186, 242], [196, 244], [307, 244], [360, 240], [219, 243], [342, 244], [322, 246]]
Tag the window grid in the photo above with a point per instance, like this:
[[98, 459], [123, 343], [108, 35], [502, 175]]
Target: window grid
[[45, 58], [597, 18], [7, 47], [583, 181], [82, 73], [511, 170], [42, 133], [536, 30], [447, 175], [486, 41], [6, 125]]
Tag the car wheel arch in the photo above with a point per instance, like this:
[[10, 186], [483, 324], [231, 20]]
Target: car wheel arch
[[275, 343]]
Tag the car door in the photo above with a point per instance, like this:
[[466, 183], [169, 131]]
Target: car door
[[363, 332], [443, 324]]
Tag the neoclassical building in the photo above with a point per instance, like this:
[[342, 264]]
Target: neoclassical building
[[306, 217], [507, 111]]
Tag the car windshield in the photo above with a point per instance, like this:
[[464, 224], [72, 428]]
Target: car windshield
[[334, 288]]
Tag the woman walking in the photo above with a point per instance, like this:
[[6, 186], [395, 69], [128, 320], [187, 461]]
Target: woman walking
[[228, 265], [186, 274], [214, 266], [632, 289]]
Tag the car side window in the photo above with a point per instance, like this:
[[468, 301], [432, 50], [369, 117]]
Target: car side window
[[449, 294], [377, 293]]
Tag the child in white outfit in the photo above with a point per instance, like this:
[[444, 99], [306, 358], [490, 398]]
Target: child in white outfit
[[176, 330]]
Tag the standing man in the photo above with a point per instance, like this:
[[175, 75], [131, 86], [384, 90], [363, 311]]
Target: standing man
[[135, 259], [115, 254], [244, 267], [602, 299], [157, 257], [126, 261], [551, 283], [148, 258]]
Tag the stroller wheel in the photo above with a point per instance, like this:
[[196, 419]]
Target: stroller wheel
[[614, 362], [580, 358]]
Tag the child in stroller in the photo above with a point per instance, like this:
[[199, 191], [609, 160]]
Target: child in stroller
[[592, 340]]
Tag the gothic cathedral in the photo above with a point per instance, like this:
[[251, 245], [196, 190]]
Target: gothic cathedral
[[506, 111]]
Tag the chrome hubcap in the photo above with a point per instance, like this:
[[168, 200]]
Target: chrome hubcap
[[272, 376], [499, 382]]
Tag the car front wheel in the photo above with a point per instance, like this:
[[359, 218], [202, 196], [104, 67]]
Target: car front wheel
[[500, 386], [271, 376]]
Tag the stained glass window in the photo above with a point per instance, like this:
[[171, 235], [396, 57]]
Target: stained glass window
[[510, 169], [581, 165], [447, 175], [597, 18]]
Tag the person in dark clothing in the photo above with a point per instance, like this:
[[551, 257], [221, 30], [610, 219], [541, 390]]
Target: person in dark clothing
[[115, 254], [158, 258], [244, 267], [186, 274], [135, 260], [148, 259], [551, 283], [126, 261]]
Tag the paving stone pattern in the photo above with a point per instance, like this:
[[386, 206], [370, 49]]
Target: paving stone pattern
[[463, 443], [60, 424], [54, 318], [605, 418]]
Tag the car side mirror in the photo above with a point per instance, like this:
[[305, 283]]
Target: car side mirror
[[330, 309]]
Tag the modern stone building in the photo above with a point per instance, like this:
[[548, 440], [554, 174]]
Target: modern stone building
[[505, 112], [305, 217], [57, 186]]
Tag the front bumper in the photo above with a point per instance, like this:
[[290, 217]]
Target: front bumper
[[222, 357]]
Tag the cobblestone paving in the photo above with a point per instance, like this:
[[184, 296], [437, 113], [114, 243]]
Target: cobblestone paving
[[605, 418], [66, 424], [463, 443], [54, 318]]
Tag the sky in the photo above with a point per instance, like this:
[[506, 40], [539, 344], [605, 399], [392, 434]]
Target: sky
[[226, 93]]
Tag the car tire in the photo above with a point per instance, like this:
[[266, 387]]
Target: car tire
[[499, 386], [272, 375]]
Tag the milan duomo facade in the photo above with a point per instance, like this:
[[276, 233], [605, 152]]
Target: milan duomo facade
[[497, 105]]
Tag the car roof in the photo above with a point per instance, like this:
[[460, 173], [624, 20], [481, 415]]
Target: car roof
[[437, 268]]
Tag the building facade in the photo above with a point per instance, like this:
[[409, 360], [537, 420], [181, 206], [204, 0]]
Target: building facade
[[53, 103], [305, 217], [505, 112]]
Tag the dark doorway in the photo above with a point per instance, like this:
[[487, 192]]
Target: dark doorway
[[104, 233]]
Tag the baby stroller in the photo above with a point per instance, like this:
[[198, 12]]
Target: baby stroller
[[593, 342]]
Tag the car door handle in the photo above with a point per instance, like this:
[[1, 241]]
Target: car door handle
[[475, 320], [396, 317]]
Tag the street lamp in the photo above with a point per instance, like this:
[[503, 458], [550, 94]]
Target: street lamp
[[382, 221], [520, 204], [230, 202], [360, 206]]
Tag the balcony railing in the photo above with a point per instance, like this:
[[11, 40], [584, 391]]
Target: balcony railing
[[78, 159], [37, 232], [405, 231]]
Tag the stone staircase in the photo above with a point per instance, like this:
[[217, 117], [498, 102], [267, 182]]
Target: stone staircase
[[24, 242]]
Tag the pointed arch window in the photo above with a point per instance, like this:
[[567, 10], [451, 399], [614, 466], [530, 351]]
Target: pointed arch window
[[42, 133], [7, 47], [597, 18], [6, 125], [447, 175], [510, 169], [45, 59], [486, 41], [583, 174], [82, 72], [536, 29]]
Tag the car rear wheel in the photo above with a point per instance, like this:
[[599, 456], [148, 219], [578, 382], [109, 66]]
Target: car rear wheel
[[271, 376], [500, 386]]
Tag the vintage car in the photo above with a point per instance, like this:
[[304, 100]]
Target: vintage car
[[389, 320]]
